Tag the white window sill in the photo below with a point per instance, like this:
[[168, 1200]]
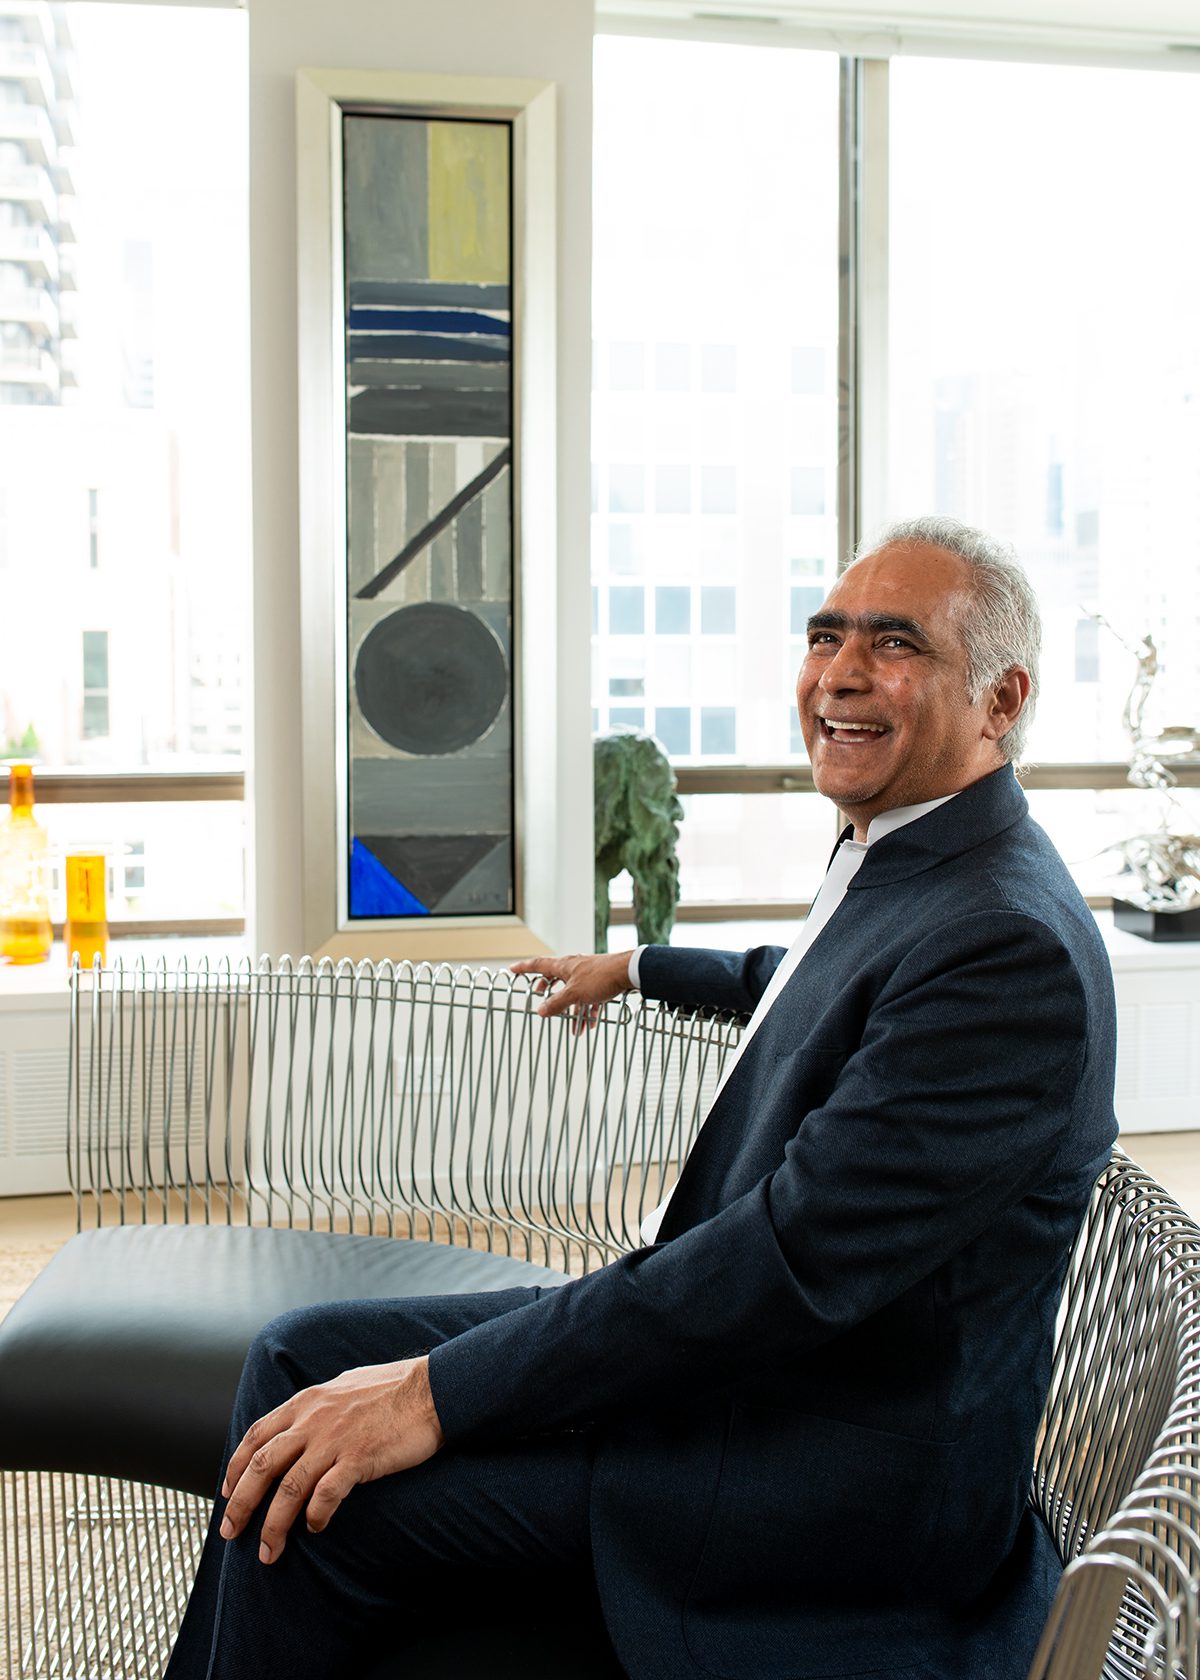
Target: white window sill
[[43, 983]]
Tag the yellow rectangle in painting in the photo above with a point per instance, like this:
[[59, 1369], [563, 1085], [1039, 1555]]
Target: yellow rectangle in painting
[[469, 201]]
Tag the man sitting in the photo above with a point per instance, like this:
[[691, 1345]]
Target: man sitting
[[790, 1438]]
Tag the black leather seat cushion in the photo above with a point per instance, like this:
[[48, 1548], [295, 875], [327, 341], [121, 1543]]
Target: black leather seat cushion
[[123, 1357]]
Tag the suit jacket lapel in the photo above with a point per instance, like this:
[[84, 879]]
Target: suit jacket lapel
[[980, 812]]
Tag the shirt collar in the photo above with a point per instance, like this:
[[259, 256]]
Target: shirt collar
[[887, 822], [981, 811]]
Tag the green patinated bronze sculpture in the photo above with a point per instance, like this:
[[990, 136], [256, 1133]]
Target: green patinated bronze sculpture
[[637, 815]]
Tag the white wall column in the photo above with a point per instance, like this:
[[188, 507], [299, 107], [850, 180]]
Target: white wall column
[[549, 40]]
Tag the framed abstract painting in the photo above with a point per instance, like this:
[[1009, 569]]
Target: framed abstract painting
[[426, 291]]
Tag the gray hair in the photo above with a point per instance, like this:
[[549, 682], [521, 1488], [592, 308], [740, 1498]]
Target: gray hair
[[1001, 624]]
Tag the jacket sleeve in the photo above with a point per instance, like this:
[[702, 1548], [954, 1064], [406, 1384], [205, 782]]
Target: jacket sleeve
[[694, 979], [952, 1109]]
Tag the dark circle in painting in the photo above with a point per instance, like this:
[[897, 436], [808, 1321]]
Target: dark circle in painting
[[430, 678]]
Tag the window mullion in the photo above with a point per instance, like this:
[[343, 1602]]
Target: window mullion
[[862, 299]]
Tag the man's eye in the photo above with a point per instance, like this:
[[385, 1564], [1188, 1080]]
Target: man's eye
[[897, 641], [816, 637]]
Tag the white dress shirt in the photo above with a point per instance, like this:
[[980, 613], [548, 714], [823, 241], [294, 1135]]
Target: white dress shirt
[[845, 864]]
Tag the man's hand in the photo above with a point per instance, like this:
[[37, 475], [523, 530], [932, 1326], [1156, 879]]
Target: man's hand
[[588, 982], [324, 1441]]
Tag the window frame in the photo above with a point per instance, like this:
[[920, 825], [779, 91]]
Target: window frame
[[137, 787]]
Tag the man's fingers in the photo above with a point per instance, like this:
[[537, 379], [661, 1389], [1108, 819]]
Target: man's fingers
[[264, 1429], [587, 982], [549, 969], [265, 1465], [328, 1494], [241, 1457], [283, 1510]]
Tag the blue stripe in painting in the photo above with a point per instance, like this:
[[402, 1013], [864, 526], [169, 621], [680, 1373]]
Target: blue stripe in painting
[[428, 320], [375, 891]]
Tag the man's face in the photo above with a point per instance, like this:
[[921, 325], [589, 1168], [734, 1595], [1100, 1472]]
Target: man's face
[[882, 693]]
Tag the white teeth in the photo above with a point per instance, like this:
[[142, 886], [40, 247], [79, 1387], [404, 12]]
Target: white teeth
[[875, 728]]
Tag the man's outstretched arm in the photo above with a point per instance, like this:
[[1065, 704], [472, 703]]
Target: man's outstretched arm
[[728, 980]]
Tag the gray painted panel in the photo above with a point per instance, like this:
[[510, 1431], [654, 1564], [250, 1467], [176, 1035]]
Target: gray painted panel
[[469, 536], [385, 166], [363, 564], [416, 488], [488, 888], [389, 480], [497, 539], [399, 412], [443, 483], [432, 294], [460, 795], [424, 347], [433, 376]]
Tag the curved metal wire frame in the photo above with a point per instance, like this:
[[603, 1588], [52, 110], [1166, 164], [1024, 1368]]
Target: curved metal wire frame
[[407, 1100], [435, 1103], [1117, 1473]]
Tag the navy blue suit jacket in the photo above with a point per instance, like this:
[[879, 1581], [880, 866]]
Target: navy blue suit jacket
[[816, 1396]]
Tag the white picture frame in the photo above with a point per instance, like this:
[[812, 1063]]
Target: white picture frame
[[323, 100]]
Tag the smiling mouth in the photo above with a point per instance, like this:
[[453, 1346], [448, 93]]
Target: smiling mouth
[[857, 734]]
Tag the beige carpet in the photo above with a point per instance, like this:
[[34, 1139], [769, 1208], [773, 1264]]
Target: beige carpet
[[20, 1263]]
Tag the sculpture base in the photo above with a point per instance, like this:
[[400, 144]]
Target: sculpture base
[[1156, 924]]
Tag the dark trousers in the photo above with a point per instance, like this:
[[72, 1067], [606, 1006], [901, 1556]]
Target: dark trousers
[[425, 1547]]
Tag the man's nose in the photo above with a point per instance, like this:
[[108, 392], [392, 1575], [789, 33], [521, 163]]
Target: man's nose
[[848, 669]]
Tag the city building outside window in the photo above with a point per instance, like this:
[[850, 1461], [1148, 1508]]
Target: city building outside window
[[1042, 381], [1055, 397], [95, 684], [718, 261], [124, 432]]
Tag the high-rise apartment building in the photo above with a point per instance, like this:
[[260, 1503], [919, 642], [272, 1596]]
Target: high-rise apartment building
[[37, 276]]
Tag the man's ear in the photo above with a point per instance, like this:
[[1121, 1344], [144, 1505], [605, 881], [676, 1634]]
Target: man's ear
[[1006, 702]]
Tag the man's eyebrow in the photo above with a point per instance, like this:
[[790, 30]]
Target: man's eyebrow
[[871, 623]]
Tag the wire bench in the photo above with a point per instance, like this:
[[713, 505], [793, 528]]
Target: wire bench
[[352, 1105]]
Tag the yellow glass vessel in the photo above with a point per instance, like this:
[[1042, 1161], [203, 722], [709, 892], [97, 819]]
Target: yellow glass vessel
[[26, 933], [86, 931]]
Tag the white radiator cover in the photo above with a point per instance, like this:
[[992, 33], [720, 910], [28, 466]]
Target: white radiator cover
[[33, 1095], [1158, 1055]]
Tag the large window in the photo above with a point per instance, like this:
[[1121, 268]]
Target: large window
[[1045, 358], [714, 415], [124, 515], [1032, 366]]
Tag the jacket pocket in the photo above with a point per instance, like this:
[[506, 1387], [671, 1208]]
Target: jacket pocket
[[821, 1539]]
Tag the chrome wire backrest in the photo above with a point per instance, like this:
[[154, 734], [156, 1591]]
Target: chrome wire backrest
[[1117, 1473], [412, 1100], [436, 1103]]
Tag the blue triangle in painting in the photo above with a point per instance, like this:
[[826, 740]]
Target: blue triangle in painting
[[376, 892]]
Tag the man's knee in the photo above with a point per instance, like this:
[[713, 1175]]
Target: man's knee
[[279, 1360]]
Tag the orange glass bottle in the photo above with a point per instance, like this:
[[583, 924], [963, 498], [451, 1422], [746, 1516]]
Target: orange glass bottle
[[25, 930]]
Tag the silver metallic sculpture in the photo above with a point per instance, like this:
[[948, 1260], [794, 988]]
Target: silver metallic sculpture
[[1165, 862]]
